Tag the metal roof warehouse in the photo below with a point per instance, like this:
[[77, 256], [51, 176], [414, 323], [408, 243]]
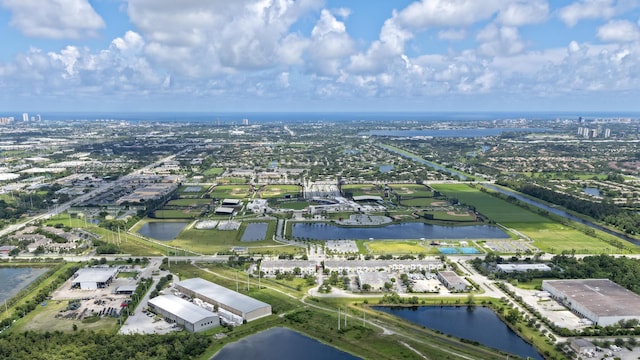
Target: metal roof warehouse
[[93, 278], [600, 300], [239, 304], [192, 317]]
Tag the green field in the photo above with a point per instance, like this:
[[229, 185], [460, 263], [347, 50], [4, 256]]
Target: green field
[[279, 191], [411, 190], [453, 215], [420, 202], [362, 189], [548, 235], [230, 191], [177, 214], [294, 205], [189, 202], [213, 171], [43, 319], [232, 180], [395, 247]]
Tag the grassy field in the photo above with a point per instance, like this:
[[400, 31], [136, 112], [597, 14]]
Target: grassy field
[[362, 189], [213, 171], [411, 190], [232, 180], [189, 202], [294, 205], [177, 214], [419, 202], [548, 235], [395, 247], [455, 215], [43, 319], [278, 191], [230, 191]]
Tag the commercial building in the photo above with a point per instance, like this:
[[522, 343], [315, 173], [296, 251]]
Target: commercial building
[[190, 316], [600, 300], [452, 281], [93, 278], [270, 267], [509, 268], [233, 302]]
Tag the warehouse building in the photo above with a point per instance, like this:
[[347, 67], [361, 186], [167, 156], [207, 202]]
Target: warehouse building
[[600, 300], [240, 305], [453, 282], [190, 316], [93, 278]]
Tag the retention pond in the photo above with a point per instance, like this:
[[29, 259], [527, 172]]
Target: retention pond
[[473, 323]]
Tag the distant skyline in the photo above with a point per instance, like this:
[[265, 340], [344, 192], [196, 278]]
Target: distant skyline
[[314, 55]]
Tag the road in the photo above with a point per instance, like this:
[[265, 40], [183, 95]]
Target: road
[[84, 197]]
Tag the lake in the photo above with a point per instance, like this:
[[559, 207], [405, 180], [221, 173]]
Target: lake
[[163, 231], [592, 191], [410, 230], [385, 168], [12, 280], [254, 232], [476, 323], [280, 344]]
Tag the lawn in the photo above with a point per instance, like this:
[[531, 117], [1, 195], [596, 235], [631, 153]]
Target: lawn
[[412, 190], [177, 214], [419, 202], [278, 191], [189, 202], [395, 247], [294, 205], [230, 191], [43, 319], [361, 189], [232, 180], [548, 235], [213, 171], [454, 215]]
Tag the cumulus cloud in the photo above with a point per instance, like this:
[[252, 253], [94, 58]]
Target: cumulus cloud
[[619, 31], [523, 12], [212, 37], [55, 19], [495, 41], [329, 46], [594, 9]]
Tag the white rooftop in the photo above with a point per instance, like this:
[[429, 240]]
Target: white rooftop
[[181, 308], [99, 275], [222, 295]]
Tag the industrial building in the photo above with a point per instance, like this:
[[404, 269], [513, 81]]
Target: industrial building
[[93, 278], [600, 300], [230, 301], [509, 268], [190, 316], [452, 281]]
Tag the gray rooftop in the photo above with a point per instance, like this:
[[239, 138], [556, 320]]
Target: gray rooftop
[[99, 275], [181, 308], [603, 297], [222, 295], [523, 267]]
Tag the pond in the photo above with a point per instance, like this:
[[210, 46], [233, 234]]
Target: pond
[[280, 344], [410, 230], [474, 323], [592, 191], [163, 231], [12, 280], [385, 168], [254, 232]]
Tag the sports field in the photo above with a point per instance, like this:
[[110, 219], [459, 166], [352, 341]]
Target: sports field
[[189, 202], [279, 191], [548, 235], [453, 215], [420, 202], [213, 171], [411, 190], [362, 189], [395, 247], [230, 191]]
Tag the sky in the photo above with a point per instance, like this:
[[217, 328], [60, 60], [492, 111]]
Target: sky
[[319, 55]]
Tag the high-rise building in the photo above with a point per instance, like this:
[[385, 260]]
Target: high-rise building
[[38, 117], [25, 117], [245, 121], [607, 133]]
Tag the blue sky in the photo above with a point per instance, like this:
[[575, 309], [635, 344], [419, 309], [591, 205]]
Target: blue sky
[[319, 55]]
